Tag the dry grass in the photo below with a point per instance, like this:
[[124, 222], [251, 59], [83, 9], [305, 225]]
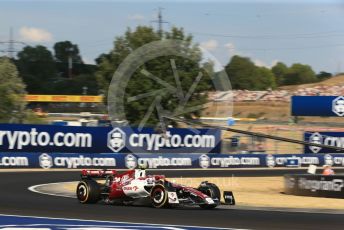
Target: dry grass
[[262, 110], [269, 111], [337, 80]]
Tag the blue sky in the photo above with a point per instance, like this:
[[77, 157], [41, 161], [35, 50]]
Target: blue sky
[[309, 32]]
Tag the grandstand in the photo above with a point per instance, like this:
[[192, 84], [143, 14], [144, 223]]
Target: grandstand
[[330, 87]]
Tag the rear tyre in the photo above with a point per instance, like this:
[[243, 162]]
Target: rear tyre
[[212, 191], [88, 191], [159, 196]]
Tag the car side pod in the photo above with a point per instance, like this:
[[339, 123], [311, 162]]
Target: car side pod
[[228, 196]]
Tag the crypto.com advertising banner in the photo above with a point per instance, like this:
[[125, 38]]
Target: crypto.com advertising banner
[[328, 106], [164, 160], [325, 138], [75, 139]]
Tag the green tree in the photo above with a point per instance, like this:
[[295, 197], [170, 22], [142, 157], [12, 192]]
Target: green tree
[[74, 85], [323, 75], [64, 49], [62, 52], [266, 78], [243, 74], [36, 66], [299, 74], [12, 91], [279, 70], [159, 67]]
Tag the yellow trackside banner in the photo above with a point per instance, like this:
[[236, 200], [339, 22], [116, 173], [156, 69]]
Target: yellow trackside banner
[[63, 98]]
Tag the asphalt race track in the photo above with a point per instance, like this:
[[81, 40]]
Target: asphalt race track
[[16, 199]]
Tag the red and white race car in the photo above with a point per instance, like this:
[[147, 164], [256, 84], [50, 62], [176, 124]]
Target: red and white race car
[[135, 187]]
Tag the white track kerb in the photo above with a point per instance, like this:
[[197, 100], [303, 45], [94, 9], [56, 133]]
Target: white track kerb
[[36, 189]]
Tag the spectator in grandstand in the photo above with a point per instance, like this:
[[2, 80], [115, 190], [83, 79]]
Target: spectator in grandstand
[[328, 171]]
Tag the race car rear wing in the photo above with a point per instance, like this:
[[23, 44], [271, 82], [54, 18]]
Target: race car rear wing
[[86, 174]]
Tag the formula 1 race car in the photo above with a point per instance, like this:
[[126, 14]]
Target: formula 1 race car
[[134, 186]]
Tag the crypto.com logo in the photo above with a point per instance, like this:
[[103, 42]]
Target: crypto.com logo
[[130, 161], [204, 161], [338, 106], [45, 161], [315, 138], [158, 49], [116, 139]]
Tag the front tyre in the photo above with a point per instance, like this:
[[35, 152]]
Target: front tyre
[[88, 191], [159, 196], [213, 192]]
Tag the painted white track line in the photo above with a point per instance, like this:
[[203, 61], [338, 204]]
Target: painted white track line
[[35, 188]]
